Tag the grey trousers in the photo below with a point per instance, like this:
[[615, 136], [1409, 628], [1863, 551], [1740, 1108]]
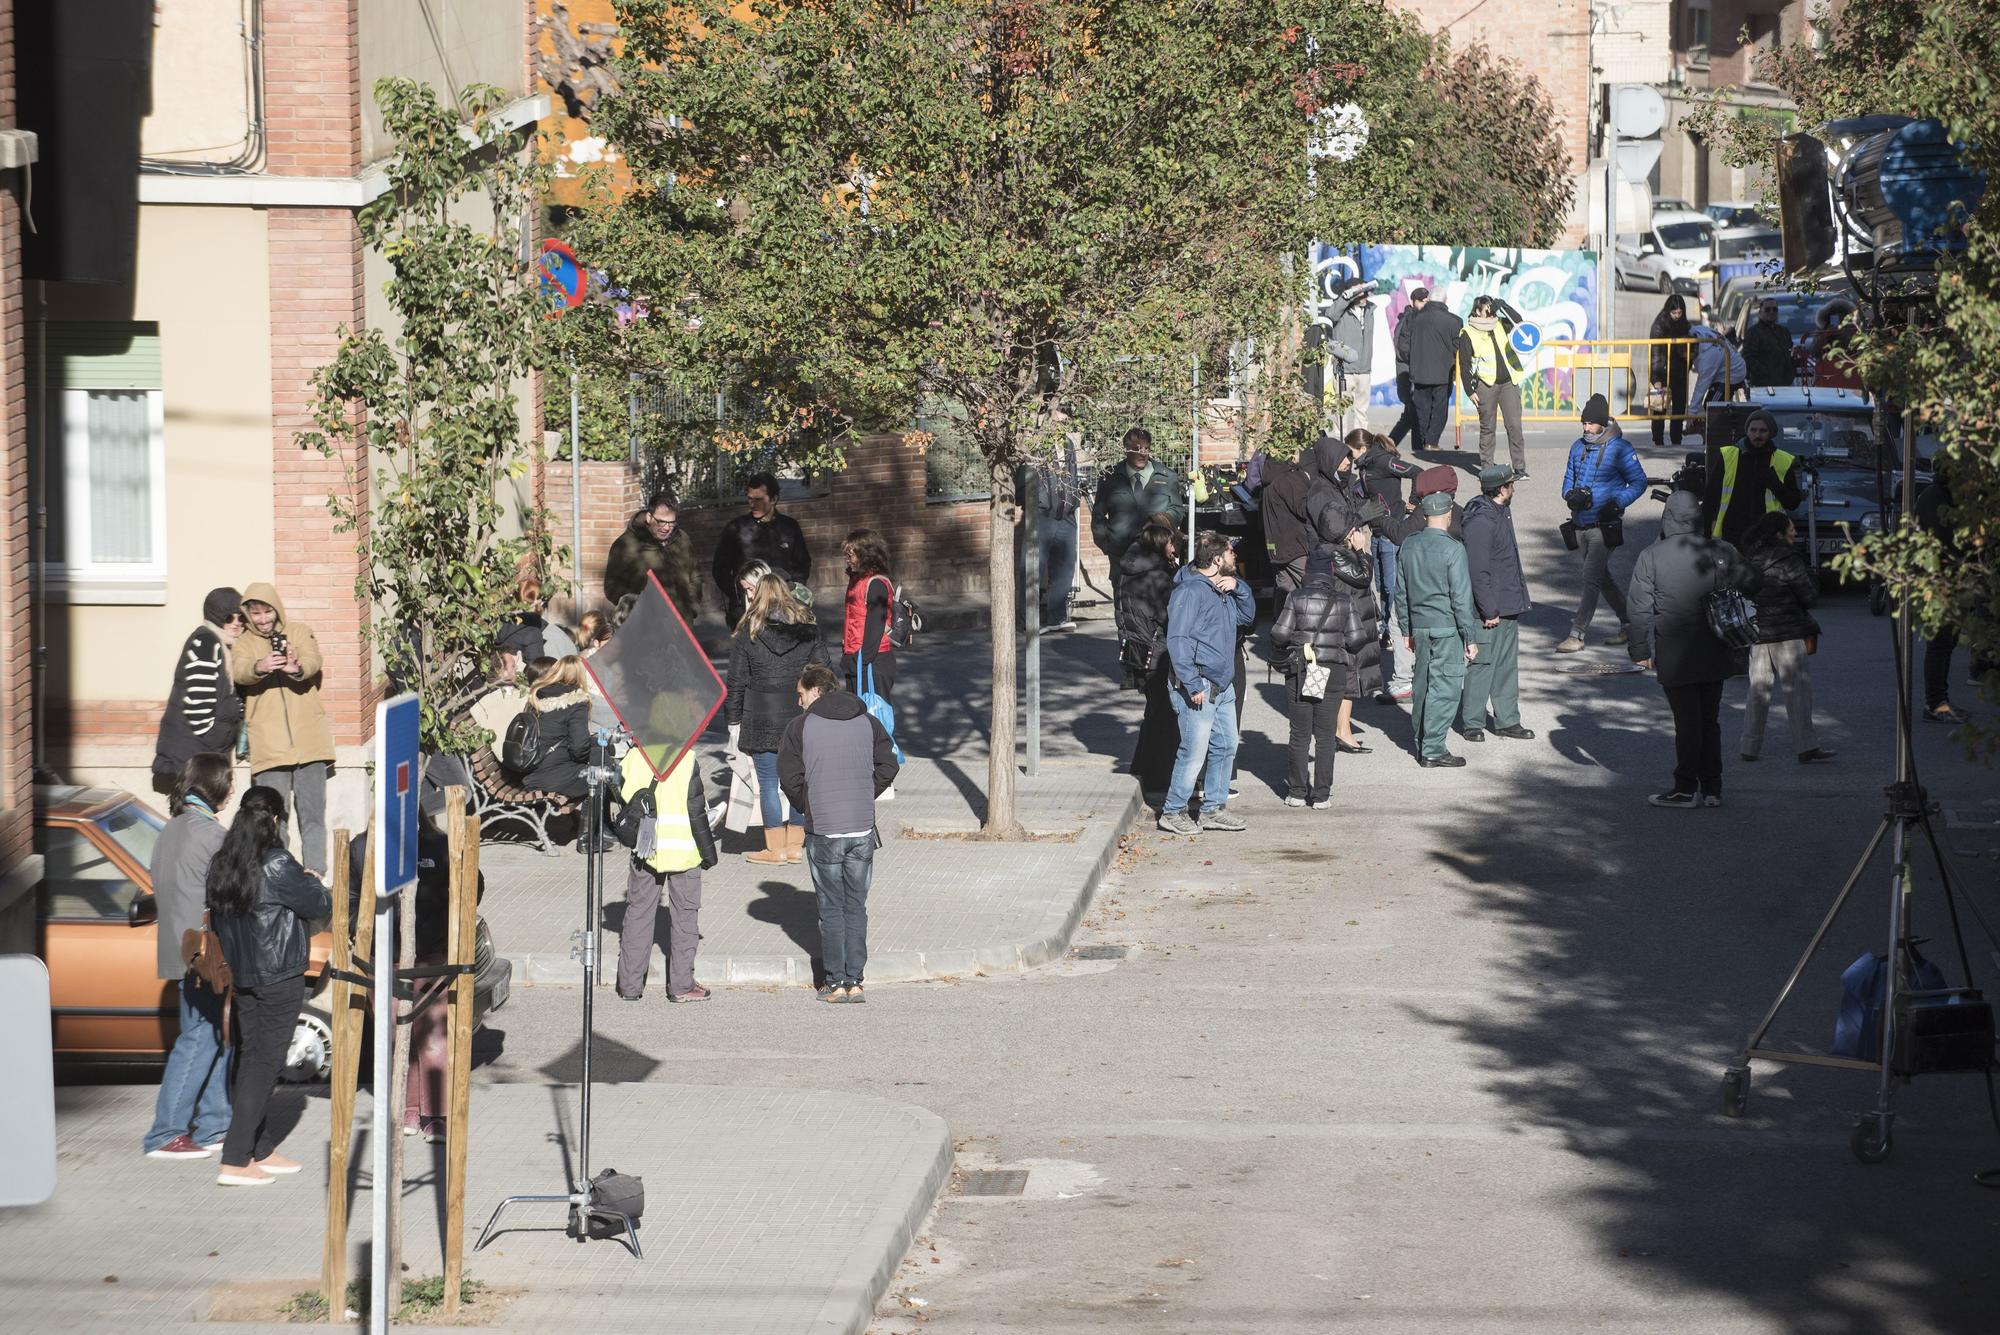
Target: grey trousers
[[1781, 664], [635, 933], [1505, 402], [1597, 578], [304, 790]]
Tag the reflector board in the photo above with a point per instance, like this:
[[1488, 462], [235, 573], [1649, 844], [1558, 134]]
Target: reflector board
[[657, 679]]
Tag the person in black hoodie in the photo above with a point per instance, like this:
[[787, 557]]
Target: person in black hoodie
[[1287, 533], [563, 704], [1786, 636], [1333, 616], [1670, 364], [773, 643], [203, 713], [1146, 578]]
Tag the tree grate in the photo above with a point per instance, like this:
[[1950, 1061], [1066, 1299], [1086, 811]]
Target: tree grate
[[994, 1182]]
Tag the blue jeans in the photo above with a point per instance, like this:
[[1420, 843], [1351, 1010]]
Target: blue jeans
[[1208, 732], [194, 1091], [769, 795], [1058, 567], [841, 872], [1400, 665]]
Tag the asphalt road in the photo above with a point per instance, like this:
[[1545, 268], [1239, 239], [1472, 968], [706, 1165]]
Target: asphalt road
[[1443, 1059]]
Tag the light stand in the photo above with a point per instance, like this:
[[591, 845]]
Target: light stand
[[580, 1198]]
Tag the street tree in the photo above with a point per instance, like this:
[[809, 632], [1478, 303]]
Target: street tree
[[1028, 209], [1927, 59], [432, 401]]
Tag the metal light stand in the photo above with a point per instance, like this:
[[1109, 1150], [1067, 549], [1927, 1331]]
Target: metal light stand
[[589, 940], [1908, 805]]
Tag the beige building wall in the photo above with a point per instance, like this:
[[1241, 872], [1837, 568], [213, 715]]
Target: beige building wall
[[445, 43], [203, 62]]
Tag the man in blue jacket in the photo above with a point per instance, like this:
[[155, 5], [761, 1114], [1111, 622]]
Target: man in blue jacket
[[1602, 478], [1206, 606]]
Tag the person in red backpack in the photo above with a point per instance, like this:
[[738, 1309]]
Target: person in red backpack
[[864, 634]]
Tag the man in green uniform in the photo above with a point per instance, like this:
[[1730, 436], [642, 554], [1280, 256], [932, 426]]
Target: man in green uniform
[[1434, 605]]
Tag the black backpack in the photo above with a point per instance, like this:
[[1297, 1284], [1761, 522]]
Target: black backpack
[[904, 619], [521, 748]]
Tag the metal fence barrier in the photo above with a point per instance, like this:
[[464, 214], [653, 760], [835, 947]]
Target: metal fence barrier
[[1563, 373]]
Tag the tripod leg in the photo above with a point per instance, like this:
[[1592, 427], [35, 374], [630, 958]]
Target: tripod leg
[[1899, 936], [1812, 946]]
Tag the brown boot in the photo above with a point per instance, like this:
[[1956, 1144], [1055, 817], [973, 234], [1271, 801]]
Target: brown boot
[[795, 843], [773, 854]]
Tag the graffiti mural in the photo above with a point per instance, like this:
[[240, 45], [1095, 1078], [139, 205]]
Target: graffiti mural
[[1555, 290]]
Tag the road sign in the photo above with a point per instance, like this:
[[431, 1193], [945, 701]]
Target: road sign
[[1637, 110], [28, 1113], [562, 274], [396, 786], [1526, 337], [1338, 133], [1635, 160]]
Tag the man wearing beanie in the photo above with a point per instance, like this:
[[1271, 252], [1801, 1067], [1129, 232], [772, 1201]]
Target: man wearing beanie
[[1434, 605], [1753, 479], [1499, 596], [1603, 477], [203, 711]]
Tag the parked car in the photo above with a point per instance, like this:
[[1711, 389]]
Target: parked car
[[1736, 213], [1671, 205], [97, 930], [1666, 257], [1832, 431]]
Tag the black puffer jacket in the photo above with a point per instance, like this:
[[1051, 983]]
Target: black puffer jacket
[[1340, 620], [565, 740], [764, 680], [272, 942], [1146, 580], [1785, 589], [1337, 502]]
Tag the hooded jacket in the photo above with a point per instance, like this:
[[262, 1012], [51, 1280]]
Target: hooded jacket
[[833, 762], [1383, 473], [1668, 597], [1785, 589], [1146, 583], [1339, 619], [287, 722], [1336, 503], [1283, 501], [764, 680], [565, 713], [273, 941], [1499, 588], [1669, 368], [1201, 631], [203, 710], [1612, 471], [638, 553]]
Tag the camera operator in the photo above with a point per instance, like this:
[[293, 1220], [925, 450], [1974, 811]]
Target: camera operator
[[1602, 478]]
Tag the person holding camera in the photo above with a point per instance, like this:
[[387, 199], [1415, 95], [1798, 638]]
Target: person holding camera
[[276, 666], [1602, 478]]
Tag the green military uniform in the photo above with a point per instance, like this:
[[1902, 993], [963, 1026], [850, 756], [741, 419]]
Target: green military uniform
[[1434, 600]]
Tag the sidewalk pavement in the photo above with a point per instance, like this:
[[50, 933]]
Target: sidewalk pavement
[[766, 1211], [940, 906]]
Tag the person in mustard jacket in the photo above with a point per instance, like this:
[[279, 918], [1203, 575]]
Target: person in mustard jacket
[[276, 666]]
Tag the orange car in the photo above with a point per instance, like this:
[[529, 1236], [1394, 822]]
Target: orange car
[[97, 928]]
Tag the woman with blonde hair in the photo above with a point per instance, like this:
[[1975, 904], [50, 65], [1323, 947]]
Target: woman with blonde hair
[[773, 643]]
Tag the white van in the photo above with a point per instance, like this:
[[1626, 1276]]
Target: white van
[[1668, 256]]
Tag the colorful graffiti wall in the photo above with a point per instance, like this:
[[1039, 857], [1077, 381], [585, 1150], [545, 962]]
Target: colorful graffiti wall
[[1555, 290]]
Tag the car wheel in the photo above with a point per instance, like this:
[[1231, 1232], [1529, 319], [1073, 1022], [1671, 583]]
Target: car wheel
[[1666, 284], [309, 1060]]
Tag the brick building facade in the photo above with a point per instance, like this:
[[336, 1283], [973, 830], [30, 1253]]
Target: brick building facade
[[19, 868]]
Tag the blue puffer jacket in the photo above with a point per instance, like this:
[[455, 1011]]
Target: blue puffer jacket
[[1612, 472], [1201, 631]]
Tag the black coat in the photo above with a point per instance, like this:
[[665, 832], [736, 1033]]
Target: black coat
[[1668, 598], [1383, 473], [1767, 353], [1785, 589], [764, 680], [203, 710], [638, 553], [779, 543], [1287, 534], [1428, 339], [1340, 620], [1337, 504], [1667, 369], [272, 942], [1146, 579], [565, 741], [1499, 588]]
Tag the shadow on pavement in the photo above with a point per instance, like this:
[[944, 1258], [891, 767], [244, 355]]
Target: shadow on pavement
[[794, 911]]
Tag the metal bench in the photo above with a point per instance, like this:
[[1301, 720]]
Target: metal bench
[[497, 799]]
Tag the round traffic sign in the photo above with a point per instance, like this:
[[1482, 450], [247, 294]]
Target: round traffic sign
[[561, 275], [1526, 337]]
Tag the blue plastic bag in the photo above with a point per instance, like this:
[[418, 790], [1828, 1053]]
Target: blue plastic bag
[[1857, 1029], [879, 709]]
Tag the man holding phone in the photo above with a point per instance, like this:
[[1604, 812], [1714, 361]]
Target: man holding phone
[[1206, 606], [276, 667]]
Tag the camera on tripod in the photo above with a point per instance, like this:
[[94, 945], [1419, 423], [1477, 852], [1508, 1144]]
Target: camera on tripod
[[1692, 476]]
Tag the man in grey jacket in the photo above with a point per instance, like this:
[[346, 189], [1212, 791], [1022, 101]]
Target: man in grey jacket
[[1351, 351], [1499, 597], [191, 1114], [833, 762]]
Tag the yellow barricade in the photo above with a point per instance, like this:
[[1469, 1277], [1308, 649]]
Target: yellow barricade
[[1564, 372]]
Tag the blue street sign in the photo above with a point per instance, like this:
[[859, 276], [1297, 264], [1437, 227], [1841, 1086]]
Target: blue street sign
[[1527, 337], [396, 790]]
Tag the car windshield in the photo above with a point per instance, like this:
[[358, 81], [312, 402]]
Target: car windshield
[[1726, 216], [1741, 247], [135, 829], [1684, 235], [1844, 437]]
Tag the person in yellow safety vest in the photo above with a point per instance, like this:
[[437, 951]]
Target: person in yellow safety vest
[[1755, 478], [672, 854], [1490, 372]]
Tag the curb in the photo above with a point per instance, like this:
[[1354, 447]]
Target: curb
[[850, 1307], [894, 966]]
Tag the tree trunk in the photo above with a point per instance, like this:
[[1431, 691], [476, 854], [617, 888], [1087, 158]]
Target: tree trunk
[[1002, 518]]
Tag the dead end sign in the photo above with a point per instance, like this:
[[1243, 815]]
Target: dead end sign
[[396, 792]]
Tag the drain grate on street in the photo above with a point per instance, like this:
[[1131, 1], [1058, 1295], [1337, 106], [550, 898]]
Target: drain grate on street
[[994, 1182], [1105, 952], [1599, 669]]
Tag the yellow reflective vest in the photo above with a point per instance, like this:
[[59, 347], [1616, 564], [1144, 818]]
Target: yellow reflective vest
[[1488, 347], [674, 848], [1781, 468]]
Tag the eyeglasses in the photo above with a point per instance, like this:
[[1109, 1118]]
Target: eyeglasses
[[658, 522]]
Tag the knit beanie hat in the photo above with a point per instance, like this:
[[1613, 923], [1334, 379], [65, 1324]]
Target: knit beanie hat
[[220, 605], [1597, 410], [1763, 415]]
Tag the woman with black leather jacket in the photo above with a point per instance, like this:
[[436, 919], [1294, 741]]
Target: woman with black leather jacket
[[1333, 615], [261, 906], [1786, 637], [1146, 577]]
